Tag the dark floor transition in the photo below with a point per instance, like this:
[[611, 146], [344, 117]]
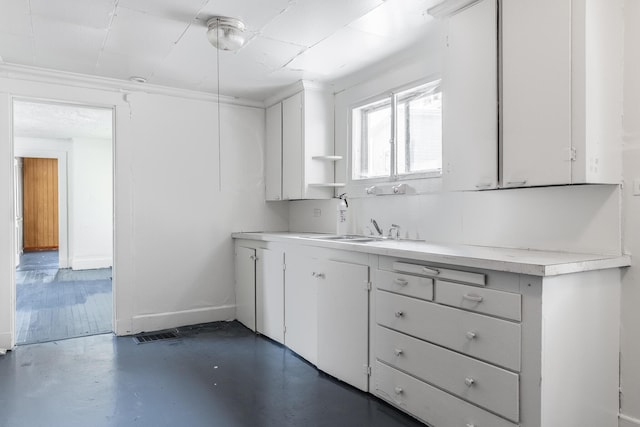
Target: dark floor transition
[[216, 375]]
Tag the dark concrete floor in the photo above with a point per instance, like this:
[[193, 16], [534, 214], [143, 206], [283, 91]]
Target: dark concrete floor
[[53, 304], [218, 375]]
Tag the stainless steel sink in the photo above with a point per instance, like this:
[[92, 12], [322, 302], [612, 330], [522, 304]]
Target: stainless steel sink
[[354, 238]]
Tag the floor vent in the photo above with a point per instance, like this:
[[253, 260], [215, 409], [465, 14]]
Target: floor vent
[[160, 336]]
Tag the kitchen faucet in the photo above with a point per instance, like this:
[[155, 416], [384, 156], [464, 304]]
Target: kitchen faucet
[[394, 228]]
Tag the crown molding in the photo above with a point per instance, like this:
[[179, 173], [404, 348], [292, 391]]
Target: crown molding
[[294, 88], [44, 75]]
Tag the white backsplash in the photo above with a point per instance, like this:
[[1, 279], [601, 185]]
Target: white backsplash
[[582, 218]]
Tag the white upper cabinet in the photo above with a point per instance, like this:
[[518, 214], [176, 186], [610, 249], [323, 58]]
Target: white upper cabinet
[[273, 153], [536, 92], [470, 99], [299, 142], [558, 67], [562, 92]]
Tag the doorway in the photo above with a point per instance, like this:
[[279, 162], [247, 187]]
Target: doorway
[[64, 220]]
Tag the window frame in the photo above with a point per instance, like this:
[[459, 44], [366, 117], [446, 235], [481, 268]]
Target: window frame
[[393, 176]]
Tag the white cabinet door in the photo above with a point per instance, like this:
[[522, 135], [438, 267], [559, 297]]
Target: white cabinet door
[[301, 306], [270, 294], [343, 318], [536, 92], [273, 153], [292, 147], [470, 98], [246, 286]]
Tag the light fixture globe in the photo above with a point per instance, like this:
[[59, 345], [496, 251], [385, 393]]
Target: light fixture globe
[[226, 33]]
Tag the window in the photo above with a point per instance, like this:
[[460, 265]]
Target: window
[[398, 136]]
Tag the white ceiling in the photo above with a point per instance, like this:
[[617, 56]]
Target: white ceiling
[[165, 41], [60, 121]]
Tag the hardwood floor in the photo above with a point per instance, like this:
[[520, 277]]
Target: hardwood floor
[[53, 304]]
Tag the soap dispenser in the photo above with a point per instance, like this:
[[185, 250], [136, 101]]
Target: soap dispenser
[[342, 217]]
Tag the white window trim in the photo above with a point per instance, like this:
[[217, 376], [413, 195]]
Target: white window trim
[[417, 183]]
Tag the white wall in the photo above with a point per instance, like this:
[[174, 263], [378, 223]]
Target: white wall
[[630, 336], [91, 203], [570, 218], [173, 254]]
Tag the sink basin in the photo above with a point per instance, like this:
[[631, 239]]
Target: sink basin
[[348, 238]]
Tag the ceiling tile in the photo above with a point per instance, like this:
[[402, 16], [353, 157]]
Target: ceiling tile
[[73, 45], [136, 33], [340, 53], [255, 15], [15, 18], [307, 22], [183, 10], [16, 49], [394, 17], [189, 61], [88, 13]]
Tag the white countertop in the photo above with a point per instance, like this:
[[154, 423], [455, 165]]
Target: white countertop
[[533, 262]]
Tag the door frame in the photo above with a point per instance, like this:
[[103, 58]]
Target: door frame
[[12, 291], [63, 211]]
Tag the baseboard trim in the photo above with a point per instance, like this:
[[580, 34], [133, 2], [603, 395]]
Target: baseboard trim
[[89, 263], [5, 342], [627, 421], [160, 321]]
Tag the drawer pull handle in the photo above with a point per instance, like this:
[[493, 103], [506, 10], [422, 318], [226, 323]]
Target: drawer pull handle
[[471, 335], [432, 271], [471, 297], [469, 381], [399, 314], [398, 351], [401, 282], [318, 275], [398, 390]]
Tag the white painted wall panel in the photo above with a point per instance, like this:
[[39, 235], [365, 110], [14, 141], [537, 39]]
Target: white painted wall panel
[[173, 252], [630, 341]]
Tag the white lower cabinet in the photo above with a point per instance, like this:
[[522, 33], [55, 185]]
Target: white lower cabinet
[[245, 269], [270, 293], [301, 305], [516, 350], [452, 346], [343, 317]]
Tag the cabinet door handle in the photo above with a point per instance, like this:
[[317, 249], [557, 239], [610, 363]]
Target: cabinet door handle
[[318, 275], [401, 282], [398, 390], [471, 335], [431, 271], [398, 351], [399, 314], [483, 185], [469, 382], [471, 297]]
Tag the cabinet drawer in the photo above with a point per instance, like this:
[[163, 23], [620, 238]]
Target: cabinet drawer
[[481, 300], [433, 406], [487, 338], [481, 383], [414, 286], [445, 273]]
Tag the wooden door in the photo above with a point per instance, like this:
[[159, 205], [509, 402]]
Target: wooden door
[[40, 204]]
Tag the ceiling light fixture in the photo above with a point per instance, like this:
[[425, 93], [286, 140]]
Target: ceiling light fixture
[[226, 33]]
